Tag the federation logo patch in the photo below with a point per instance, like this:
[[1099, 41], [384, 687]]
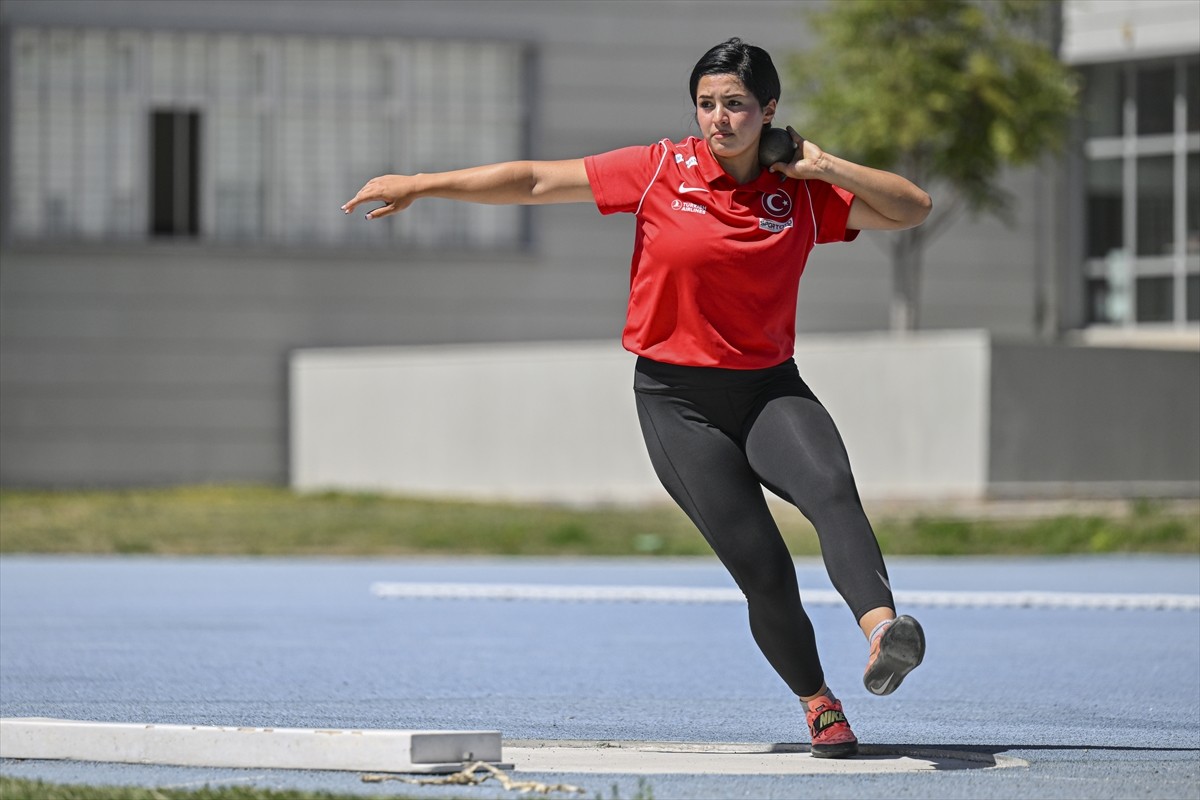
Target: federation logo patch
[[777, 204]]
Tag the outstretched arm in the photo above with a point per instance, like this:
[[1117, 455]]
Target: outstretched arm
[[509, 183], [882, 200]]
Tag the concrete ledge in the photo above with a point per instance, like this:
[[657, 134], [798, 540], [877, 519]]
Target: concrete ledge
[[727, 758], [945, 416], [401, 751], [262, 748]]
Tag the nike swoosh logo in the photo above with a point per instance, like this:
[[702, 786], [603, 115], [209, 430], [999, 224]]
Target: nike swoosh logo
[[684, 188], [885, 581]]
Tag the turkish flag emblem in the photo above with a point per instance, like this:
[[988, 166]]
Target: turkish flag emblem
[[777, 204]]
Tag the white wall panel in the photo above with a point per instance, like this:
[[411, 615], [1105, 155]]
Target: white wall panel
[[1120, 30], [557, 422]]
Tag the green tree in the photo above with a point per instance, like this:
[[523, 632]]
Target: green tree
[[945, 92]]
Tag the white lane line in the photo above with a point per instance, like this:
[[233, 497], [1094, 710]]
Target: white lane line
[[683, 594]]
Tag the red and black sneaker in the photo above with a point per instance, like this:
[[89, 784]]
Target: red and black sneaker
[[831, 734], [894, 653]]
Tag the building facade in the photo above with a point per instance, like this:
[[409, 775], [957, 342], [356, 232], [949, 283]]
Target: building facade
[[1137, 168], [172, 172]]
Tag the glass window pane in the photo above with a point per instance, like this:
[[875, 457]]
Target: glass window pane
[[174, 173], [1193, 298], [1155, 299], [1097, 301], [1104, 229], [1191, 74], [61, 134], [93, 143], [1103, 96], [1192, 222], [1156, 99], [27, 143], [1155, 206]]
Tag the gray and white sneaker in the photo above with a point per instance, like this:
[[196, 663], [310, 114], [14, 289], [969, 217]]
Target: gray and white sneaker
[[894, 653]]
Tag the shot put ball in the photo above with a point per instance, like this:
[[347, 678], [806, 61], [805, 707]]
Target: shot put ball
[[774, 146]]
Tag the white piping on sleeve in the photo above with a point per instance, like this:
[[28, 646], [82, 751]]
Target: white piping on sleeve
[[811, 212], [654, 177]]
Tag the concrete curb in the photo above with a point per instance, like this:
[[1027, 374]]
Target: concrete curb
[[406, 751], [415, 752]]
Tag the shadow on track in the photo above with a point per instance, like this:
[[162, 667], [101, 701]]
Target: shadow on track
[[951, 756]]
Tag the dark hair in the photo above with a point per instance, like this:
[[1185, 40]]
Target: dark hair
[[752, 66]]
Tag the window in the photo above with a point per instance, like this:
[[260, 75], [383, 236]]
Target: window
[[1104, 100], [1104, 208], [1192, 200], [1142, 192], [1154, 299], [1155, 99], [1155, 206], [221, 137], [174, 173]]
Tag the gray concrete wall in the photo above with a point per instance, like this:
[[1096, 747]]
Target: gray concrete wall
[[170, 365], [1099, 421], [150, 364]]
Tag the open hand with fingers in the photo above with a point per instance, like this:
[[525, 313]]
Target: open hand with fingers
[[396, 192]]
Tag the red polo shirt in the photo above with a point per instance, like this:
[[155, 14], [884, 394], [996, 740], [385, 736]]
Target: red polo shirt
[[716, 265]]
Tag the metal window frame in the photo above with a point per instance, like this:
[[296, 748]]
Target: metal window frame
[[1129, 147]]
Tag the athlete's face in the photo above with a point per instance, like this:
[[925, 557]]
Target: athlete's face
[[729, 116]]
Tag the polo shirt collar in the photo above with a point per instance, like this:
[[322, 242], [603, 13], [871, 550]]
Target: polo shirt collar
[[710, 169], [715, 175]]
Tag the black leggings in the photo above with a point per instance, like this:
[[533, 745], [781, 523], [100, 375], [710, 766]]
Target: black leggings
[[716, 437]]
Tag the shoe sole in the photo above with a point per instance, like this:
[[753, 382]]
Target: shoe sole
[[900, 652], [844, 750]]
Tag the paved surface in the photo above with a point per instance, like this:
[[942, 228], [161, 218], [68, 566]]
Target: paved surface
[[1099, 703]]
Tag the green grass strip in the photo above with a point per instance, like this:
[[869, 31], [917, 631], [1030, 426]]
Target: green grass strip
[[21, 789], [272, 521]]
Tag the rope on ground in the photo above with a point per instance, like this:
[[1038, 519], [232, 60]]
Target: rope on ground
[[476, 773]]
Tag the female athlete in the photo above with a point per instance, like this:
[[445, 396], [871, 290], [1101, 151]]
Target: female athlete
[[719, 248]]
